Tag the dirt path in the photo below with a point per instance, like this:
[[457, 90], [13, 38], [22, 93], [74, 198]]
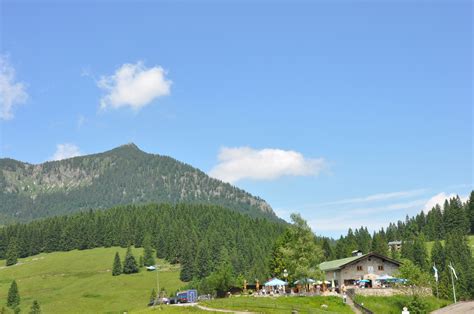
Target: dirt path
[[458, 308], [352, 305]]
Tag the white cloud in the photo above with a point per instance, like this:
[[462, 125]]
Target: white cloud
[[12, 93], [439, 199], [266, 164], [133, 85], [64, 151]]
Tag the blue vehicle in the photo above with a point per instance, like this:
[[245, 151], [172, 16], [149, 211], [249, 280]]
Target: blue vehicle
[[188, 296]]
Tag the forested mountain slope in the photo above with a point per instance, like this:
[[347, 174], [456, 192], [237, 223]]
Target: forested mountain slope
[[192, 235], [124, 175]]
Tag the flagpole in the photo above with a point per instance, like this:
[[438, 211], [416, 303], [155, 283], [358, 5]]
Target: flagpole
[[437, 277], [452, 279], [437, 291]]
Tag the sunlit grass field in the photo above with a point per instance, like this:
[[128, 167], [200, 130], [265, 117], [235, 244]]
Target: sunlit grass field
[[395, 304], [283, 305], [82, 282]]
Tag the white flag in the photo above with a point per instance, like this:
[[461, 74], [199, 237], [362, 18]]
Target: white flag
[[453, 270], [435, 272]]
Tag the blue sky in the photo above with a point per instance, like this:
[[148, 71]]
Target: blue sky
[[350, 112]]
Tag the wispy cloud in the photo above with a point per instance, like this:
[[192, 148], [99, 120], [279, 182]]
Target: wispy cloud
[[134, 86], [240, 163], [66, 150], [377, 197], [80, 121], [12, 93]]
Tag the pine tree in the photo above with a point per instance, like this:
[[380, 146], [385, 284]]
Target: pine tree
[[420, 255], [203, 260], [327, 250], [407, 249], [223, 277], [12, 252], [140, 261], [13, 296], [35, 308], [117, 267], [470, 211], [130, 264], [187, 264], [148, 254], [438, 257], [379, 244]]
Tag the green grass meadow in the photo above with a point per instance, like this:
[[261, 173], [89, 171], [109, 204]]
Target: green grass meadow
[[280, 305], [82, 282], [395, 304]]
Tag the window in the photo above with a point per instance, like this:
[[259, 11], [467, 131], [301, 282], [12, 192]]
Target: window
[[380, 267], [359, 268]]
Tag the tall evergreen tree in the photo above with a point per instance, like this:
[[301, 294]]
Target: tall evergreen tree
[[223, 277], [203, 260], [379, 244], [187, 264], [341, 250], [117, 266], [327, 250], [35, 308], [130, 264], [13, 299], [407, 249], [420, 255], [438, 256], [470, 211], [148, 254], [12, 252]]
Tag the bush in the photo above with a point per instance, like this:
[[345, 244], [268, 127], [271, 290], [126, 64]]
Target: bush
[[417, 306]]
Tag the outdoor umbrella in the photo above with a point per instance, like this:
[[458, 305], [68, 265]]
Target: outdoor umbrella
[[275, 282]]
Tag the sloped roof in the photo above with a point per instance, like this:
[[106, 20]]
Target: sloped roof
[[339, 263]]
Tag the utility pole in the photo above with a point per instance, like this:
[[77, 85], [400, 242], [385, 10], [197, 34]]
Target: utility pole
[[157, 282], [157, 286]]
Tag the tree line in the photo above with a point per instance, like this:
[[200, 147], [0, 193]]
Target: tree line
[[447, 225], [189, 234]]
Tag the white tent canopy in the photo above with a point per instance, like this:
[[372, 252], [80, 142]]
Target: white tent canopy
[[275, 282]]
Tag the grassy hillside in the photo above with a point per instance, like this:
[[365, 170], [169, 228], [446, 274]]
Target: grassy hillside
[[81, 282], [429, 245]]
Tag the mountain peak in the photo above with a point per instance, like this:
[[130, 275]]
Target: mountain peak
[[129, 148], [130, 145]]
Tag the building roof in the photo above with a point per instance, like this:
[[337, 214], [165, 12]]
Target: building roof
[[394, 242], [340, 263]]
